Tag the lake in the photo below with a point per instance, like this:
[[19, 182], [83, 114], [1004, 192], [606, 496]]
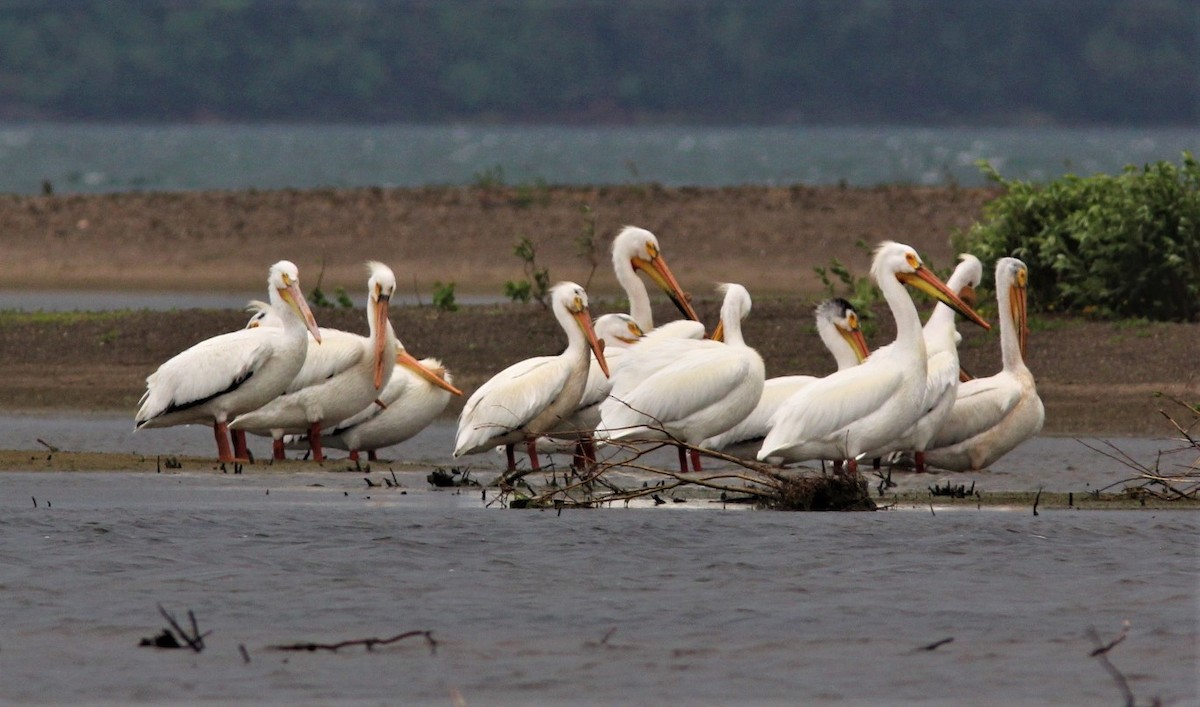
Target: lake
[[89, 158]]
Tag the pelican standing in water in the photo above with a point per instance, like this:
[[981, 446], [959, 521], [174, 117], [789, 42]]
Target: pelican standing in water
[[838, 327], [346, 374], [686, 389], [856, 410], [943, 372], [533, 396], [236, 372], [637, 249], [993, 415]]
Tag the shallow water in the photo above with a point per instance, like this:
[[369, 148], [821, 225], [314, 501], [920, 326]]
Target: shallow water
[[642, 606], [621, 606]]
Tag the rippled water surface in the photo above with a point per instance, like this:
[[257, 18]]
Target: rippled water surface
[[623, 605]]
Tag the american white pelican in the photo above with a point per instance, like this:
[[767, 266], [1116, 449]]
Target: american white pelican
[[686, 389], [856, 410], [339, 378], [533, 396], [942, 369], [616, 333], [233, 373], [837, 325], [993, 415], [417, 393], [637, 249]]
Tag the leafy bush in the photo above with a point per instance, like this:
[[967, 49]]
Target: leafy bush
[[536, 284], [443, 297], [1111, 246]]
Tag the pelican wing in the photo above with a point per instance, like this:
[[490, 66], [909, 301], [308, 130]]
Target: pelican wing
[[690, 384], [941, 375], [338, 351], [509, 400], [210, 368], [827, 405], [981, 404]]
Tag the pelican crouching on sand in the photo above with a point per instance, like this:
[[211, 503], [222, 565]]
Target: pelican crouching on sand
[[236, 372], [533, 396], [991, 416], [856, 410], [339, 378], [417, 393]]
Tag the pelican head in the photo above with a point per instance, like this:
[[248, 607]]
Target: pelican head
[[902, 262], [840, 316], [1013, 276], [735, 306], [638, 248], [571, 303], [380, 288], [965, 278], [618, 329], [284, 280]]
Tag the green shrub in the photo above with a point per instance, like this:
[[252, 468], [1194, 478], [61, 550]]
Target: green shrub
[[443, 297], [1110, 246]]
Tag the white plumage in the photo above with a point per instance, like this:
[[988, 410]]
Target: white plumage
[[942, 369], [637, 249], [533, 396], [853, 411], [685, 388], [416, 394], [236, 372], [837, 325], [991, 416], [339, 378]]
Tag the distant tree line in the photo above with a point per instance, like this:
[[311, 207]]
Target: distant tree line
[[816, 61]]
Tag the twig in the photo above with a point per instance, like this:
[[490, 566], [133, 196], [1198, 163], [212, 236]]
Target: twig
[[47, 445], [368, 643], [937, 644], [1037, 499], [1101, 654]]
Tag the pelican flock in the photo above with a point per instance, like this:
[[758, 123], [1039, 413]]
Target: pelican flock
[[622, 379]]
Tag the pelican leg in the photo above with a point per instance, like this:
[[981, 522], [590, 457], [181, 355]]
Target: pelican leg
[[696, 461], [851, 467], [221, 433], [510, 457], [314, 442], [531, 450], [682, 460], [919, 462], [353, 455], [239, 445], [589, 449], [277, 449], [371, 456]]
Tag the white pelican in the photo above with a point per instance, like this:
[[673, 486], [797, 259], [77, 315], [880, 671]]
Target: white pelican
[[943, 372], [616, 333], [856, 410], [233, 373], [686, 389], [533, 396], [637, 249], [837, 325], [993, 415], [417, 393], [339, 378]]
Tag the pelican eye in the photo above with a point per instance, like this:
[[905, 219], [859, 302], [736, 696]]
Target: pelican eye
[[287, 280], [651, 251], [1022, 277], [852, 321], [913, 261]]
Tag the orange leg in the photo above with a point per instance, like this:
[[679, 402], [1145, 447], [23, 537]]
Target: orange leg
[[277, 449], [239, 445], [371, 456], [510, 457], [696, 461], [531, 450], [314, 442], [919, 462], [221, 432], [353, 455]]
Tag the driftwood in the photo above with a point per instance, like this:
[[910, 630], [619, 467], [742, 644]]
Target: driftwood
[[176, 636], [368, 643]]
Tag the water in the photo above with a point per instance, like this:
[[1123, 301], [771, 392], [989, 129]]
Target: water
[[107, 158], [638, 606]]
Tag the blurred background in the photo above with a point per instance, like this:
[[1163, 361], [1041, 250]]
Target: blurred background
[[171, 94]]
